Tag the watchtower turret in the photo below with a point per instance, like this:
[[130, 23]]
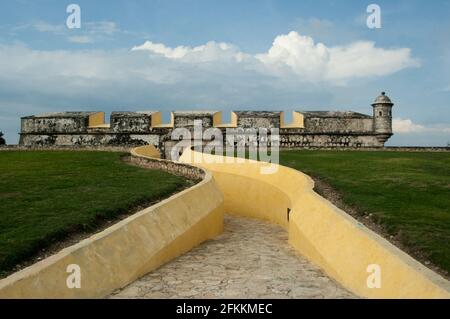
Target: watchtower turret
[[382, 117]]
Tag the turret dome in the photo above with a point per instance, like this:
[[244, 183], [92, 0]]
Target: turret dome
[[383, 99]]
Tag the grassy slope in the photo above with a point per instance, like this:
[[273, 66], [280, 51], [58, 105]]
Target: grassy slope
[[408, 193], [46, 195]]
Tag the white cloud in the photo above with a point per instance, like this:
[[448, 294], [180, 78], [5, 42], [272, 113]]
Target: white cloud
[[363, 59], [207, 73], [291, 55], [294, 54], [300, 54], [211, 51], [400, 125], [315, 61], [292, 61], [406, 126]]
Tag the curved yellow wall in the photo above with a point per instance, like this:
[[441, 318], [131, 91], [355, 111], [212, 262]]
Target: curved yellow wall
[[326, 235], [128, 250], [146, 151]]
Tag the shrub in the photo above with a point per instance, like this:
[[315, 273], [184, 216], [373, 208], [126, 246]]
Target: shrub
[[2, 140]]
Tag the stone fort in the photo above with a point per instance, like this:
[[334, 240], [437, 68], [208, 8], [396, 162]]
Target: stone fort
[[308, 129]]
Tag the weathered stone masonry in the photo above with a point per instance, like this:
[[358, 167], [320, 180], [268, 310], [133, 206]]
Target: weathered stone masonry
[[308, 129]]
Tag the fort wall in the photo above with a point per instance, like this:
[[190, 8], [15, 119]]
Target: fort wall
[[309, 129]]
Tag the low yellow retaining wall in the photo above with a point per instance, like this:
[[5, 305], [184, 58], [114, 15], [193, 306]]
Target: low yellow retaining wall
[[128, 250], [147, 151], [326, 235]]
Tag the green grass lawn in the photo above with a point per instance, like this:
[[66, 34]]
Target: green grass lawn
[[47, 195], [408, 193]]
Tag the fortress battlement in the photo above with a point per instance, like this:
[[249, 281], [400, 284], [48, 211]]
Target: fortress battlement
[[307, 128]]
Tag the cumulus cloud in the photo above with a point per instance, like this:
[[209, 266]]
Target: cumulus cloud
[[300, 54], [294, 54], [112, 74], [404, 126], [315, 61], [363, 59], [211, 51], [291, 61]]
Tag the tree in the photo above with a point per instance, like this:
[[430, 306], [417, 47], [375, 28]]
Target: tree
[[2, 140]]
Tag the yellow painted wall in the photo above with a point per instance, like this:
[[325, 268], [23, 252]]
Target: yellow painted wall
[[217, 120], [156, 120], [146, 151], [327, 236], [127, 250], [297, 120], [244, 197], [96, 119]]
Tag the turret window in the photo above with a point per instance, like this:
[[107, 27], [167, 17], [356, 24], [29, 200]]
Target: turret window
[[380, 113]]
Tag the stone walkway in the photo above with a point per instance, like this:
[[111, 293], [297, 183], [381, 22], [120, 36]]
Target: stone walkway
[[251, 259]]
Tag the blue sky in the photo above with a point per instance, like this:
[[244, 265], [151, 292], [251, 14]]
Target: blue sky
[[228, 55]]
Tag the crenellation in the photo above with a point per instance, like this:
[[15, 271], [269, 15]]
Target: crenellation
[[309, 129], [258, 119], [61, 122], [186, 118], [131, 122]]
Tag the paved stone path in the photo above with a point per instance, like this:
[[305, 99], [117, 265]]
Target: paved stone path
[[251, 259]]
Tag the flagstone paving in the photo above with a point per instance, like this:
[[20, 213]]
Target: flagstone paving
[[251, 259]]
